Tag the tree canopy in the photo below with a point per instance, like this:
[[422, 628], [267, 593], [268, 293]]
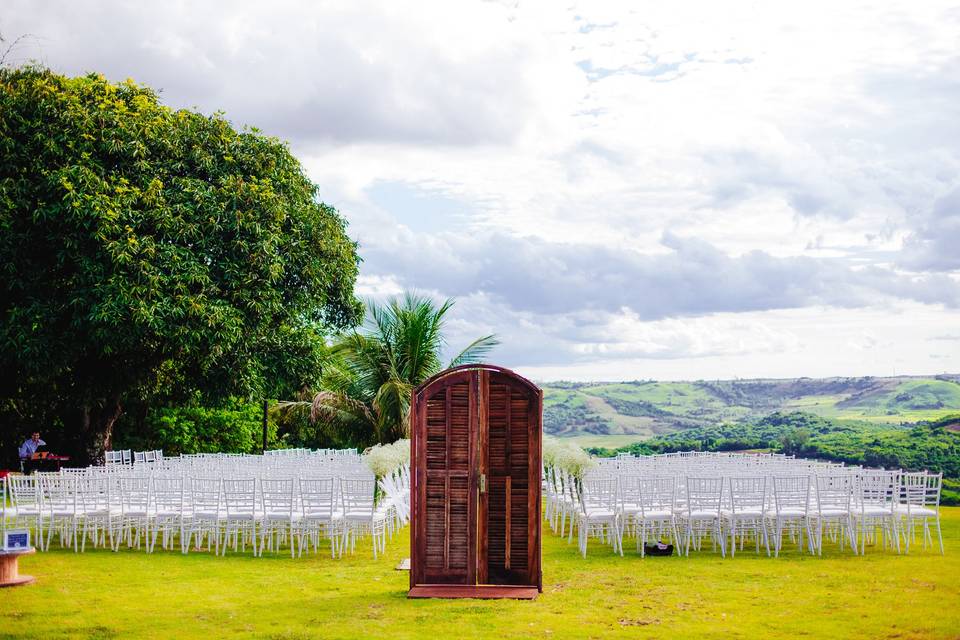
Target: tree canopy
[[147, 251]]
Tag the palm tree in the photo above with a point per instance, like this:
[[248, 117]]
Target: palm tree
[[370, 373]]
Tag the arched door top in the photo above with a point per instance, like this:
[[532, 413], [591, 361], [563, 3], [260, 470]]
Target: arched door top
[[437, 378]]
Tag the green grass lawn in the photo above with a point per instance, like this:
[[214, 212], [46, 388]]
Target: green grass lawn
[[132, 595]]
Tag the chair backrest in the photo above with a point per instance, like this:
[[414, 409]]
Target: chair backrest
[[934, 484], [318, 497], [73, 471], [168, 495], [139, 457], [834, 491], [658, 494], [125, 457], [599, 493], [25, 492], [704, 493], [58, 493], [134, 494], [277, 495], [356, 495], [205, 496], [878, 489], [113, 457], [630, 495], [920, 489], [94, 493], [791, 493], [240, 496], [747, 494]]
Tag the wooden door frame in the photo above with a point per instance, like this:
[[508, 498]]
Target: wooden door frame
[[478, 376]]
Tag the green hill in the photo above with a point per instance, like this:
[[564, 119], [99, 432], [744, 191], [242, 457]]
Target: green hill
[[641, 409]]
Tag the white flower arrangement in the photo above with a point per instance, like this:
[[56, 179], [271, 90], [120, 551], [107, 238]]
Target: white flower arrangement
[[566, 456], [384, 459]]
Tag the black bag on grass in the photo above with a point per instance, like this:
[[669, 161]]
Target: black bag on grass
[[657, 549]]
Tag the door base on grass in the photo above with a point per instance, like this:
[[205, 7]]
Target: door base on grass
[[480, 591]]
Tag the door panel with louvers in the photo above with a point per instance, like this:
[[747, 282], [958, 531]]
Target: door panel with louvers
[[447, 505], [509, 512]]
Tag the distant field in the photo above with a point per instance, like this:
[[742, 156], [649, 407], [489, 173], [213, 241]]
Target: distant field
[[610, 442], [626, 412]]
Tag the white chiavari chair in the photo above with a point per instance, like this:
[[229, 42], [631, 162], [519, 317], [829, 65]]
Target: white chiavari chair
[[599, 513], [280, 515], [206, 514], [658, 504], [241, 517], [320, 513], [874, 508], [833, 498], [791, 512], [360, 514], [920, 503], [746, 511], [170, 512], [700, 517]]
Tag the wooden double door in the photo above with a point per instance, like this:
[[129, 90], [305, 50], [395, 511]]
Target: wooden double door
[[476, 469]]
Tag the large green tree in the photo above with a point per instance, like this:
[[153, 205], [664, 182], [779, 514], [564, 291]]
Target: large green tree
[[147, 252], [370, 373]]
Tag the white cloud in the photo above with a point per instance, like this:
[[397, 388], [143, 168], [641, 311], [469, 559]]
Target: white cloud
[[674, 188]]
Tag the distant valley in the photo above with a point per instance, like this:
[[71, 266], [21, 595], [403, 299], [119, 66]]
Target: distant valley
[[619, 413]]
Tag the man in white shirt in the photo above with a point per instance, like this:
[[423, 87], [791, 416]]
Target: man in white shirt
[[28, 448]]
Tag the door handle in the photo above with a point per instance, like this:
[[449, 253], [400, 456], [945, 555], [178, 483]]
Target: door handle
[[483, 483]]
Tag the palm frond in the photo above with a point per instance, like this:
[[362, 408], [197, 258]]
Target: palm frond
[[369, 373], [392, 404], [475, 351], [328, 405]]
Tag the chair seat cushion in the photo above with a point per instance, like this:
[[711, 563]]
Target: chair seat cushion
[[277, 515], [914, 510], [322, 515], [743, 513], [600, 514], [789, 513], [653, 514], [701, 515], [833, 512]]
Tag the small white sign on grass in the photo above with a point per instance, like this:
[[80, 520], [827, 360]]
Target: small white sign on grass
[[16, 539]]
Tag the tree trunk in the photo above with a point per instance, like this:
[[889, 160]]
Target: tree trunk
[[97, 428]]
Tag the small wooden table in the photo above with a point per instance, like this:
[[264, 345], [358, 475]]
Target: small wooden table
[[44, 461], [10, 572]]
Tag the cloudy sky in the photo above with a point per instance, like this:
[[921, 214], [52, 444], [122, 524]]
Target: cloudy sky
[[626, 190]]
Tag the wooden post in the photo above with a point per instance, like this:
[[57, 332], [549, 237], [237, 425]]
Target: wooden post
[[266, 406]]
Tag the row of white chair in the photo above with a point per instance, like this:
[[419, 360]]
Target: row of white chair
[[260, 510], [849, 505]]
